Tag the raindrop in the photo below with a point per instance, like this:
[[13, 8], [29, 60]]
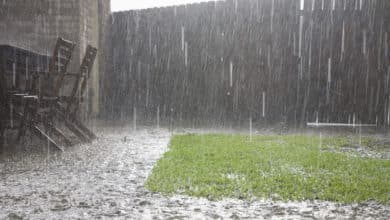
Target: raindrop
[[272, 15], [310, 47], [263, 104], [147, 89], [379, 57], [388, 113], [313, 5], [182, 38], [150, 39], [300, 35], [329, 80], [155, 54], [269, 54], [329, 69], [14, 74], [364, 48], [169, 62], [367, 79], [386, 46], [137, 20], [302, 4], [343, 39], [186, 54], [231, 74], [294, 45]]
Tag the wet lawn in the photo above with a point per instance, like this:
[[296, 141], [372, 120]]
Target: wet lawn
[[293, 167]]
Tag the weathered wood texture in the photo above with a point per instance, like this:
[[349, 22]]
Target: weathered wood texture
[[268, 59]]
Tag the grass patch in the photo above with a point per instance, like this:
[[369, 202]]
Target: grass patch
[[282, 167]]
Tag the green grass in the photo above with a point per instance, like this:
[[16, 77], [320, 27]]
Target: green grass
[[278, 167]]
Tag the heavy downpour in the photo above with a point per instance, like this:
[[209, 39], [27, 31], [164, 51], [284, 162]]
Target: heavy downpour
[[195, 109]]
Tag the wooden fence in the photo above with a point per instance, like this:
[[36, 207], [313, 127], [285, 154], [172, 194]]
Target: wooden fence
[[269, 60]]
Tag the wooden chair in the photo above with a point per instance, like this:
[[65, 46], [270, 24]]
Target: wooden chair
[[41, 94], [68, 107], [45, 111]]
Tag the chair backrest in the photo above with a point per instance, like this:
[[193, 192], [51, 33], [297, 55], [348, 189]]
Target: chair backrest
[[58, 66], [86, 66], [81, 80]]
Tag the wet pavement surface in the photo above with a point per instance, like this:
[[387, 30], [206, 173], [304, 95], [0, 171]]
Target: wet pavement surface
[[105, 179]]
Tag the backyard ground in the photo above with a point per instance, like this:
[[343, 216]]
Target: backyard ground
[[288, 167], [107, 179]]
